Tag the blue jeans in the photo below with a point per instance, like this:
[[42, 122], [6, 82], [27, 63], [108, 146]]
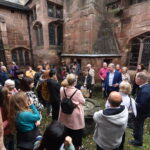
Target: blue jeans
[[138, 128]]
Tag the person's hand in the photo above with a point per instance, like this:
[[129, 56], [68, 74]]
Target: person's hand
[[115, 85], [37, 123], [30, 102]]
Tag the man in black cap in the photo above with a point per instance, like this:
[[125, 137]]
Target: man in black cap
[[19, 77]]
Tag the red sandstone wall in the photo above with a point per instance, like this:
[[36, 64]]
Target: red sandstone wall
[[14, 31], [45, 53], [135, 21]]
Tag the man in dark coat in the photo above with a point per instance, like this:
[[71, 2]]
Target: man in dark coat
[[3, 75], [113, 79], [18, 79], [143, 107], [54, 90]]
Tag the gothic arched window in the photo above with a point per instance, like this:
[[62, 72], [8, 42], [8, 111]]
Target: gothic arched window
[[21, 56], [39, 34], [55, 33], [140, 51]]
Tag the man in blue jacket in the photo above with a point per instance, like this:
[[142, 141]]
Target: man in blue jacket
[[113, 79], [143, 107]]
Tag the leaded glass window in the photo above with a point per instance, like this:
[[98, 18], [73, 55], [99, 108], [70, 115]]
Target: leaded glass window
[[21, 56], [60, 35], [59, 12], [52, 40], [39, 34], [51, 9], [55, 10], [15, 57], [146, 52], [140, 51]]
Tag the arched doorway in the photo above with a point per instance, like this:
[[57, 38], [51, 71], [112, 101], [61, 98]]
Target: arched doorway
[[140, 51]]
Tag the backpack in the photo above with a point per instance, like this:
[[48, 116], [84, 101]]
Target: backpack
[[44, 91], [67, 106]]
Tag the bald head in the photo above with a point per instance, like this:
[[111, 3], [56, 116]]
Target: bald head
[[115, 99]]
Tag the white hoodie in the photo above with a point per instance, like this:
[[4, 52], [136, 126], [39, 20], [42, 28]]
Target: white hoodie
[[110, 129]]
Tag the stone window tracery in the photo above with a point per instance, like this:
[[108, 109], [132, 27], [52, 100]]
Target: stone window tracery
[[21, 56], [140, 51], [55, 33]]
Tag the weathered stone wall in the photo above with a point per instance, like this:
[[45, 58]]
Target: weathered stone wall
[[45, 53], [135, 21], [14, 31]]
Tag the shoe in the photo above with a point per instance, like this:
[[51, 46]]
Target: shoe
[[135, 143]]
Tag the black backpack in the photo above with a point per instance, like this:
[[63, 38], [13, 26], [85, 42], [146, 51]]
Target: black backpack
[[67, 106]]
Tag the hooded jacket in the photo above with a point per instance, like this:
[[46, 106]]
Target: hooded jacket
[[110, 127]]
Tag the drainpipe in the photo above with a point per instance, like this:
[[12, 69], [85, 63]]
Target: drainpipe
[[30, 41]]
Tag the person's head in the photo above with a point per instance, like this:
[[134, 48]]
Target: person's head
[[63, 62], [19, 74], [1, 63], [27, 84], [104, 65], [13, 63], [141, 78], [140, 67], [53, 137], [52, 74], [17, 103], [115, 99], [124, 70], [125, 87], [71, 79], [29, 68], [89, 66], [111, 67], [68, 140], [10, 84], [118, 67], [45, 75], [47, 67], [3, 69], [39, 68], [64, 83]]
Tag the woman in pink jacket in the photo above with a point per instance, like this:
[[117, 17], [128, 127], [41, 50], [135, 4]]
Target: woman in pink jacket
[[74, 122]]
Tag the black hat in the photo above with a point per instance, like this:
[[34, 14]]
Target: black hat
[[18, 72]]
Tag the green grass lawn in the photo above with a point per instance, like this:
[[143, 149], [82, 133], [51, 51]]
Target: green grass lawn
[[88, 140]]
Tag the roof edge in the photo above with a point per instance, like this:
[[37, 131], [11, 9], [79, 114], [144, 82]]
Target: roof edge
[[90, 55]]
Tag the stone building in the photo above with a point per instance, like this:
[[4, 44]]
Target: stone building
[[14, 37], [46, 24], [31, 31], [107, 30]]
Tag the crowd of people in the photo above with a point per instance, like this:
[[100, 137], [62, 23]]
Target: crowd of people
[[63, 91]]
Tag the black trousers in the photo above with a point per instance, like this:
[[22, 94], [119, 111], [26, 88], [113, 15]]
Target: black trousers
[[138, 128], [55, 110], [76, 136]]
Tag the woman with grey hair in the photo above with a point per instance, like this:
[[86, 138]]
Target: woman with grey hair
[[125, 91]]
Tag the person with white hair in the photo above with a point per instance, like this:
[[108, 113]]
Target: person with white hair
[[113, 79], [10, 84], [91, 72]]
